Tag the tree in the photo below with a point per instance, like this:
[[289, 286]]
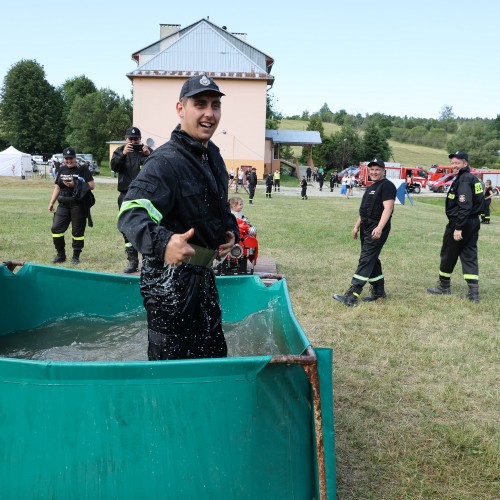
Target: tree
[[375, 144], [31, 112], [79, 86], [96, 118], [325, 114], [273, 118], [478, 138], [446, 113]]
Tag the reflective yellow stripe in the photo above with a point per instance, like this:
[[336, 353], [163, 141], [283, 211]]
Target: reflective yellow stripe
[[155, 215], [381, 277], [471, 277], [362, 278], [79, 238], [478, 188], [60, 235], [451, 196], [444, 275], [128, 245]]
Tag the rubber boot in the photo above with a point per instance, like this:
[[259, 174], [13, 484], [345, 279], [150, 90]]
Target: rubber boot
[[473, 293], [60, 257], [133, 260], [444, 287], [350, 297], [76, 257], [377, 291]]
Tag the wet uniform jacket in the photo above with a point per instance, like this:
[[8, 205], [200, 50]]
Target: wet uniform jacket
[[182, 185], [465, 198]]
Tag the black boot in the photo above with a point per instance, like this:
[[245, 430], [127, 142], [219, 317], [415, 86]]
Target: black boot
[[76, 257], [444, 287], [350, 298], [133, 260], [377, 292], [60, 257], [473, 293]]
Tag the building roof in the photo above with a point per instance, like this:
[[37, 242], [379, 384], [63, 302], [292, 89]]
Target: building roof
[[203, 47], [294, 137]]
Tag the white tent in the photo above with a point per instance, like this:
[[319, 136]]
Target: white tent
[[14, 163]]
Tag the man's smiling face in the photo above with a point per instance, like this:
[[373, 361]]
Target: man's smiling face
[[200, 115]]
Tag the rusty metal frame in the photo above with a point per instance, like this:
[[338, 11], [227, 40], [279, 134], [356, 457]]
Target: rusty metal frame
[[309, 363]]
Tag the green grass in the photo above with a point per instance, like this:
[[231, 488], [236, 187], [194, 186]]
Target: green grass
[[416, 377], [407, 154]]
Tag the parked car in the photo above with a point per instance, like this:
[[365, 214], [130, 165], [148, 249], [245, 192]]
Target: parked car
[[94, 168], [438, 186]]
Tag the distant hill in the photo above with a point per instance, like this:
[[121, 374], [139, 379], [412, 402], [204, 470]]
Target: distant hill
[[407, 154]]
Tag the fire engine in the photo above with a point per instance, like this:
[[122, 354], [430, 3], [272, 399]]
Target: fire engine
[[243, 256], [396, 171]]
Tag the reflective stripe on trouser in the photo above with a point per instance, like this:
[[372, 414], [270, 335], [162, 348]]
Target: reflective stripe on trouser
[[65, 215], [183, 312], [369, 265], [466, 249]]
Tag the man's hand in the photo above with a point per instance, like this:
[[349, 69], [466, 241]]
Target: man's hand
[[457, 235], [226, 247], [355, 231], [128, 148], [376, 233], [178, 248]]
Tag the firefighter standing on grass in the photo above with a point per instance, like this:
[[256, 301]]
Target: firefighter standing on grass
[[464, 204], [373, 224], [127, 161], [70, 209]]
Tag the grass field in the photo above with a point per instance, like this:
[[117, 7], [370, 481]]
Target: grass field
[[407, 154], [416, 377]]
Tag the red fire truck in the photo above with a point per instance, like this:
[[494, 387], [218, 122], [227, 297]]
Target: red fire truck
[[396, 171]]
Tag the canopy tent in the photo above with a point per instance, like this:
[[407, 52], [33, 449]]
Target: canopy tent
[[14, 162]]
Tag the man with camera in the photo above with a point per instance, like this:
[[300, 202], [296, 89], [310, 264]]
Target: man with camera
[[127, 161]]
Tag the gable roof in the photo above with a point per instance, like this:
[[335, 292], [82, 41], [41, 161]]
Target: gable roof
[[294, 137], [203, 47]]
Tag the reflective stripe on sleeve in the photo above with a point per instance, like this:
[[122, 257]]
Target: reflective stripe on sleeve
[[155, 215]]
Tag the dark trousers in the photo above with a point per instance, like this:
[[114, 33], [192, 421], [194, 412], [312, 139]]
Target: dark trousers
[[65, 215], [466, 249], [277, 183], [121, 196], [269, 189], [369, 265], [183, 312], [485, 216], [251, 191], [303, 192]]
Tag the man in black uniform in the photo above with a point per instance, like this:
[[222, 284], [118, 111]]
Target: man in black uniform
[[176, 213], [70, 208], [127, 161], [374, 225], [252, 184], [464, 203]]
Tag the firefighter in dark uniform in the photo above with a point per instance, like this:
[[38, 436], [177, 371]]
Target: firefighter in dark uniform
[[70, 209], [252, 184], [373, 225], [176, 214], [464, 204], [127, 161]]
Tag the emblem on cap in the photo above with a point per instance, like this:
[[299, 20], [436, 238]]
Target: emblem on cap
[[133, 131], [204, 81]]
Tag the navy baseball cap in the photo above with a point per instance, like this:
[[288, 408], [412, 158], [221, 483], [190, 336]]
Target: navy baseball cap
[[197, 85], [461, 155], [133, 133], [69, 153], [377, 162]]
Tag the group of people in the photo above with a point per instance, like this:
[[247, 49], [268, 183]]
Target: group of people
[[174, 211], [464, 204]]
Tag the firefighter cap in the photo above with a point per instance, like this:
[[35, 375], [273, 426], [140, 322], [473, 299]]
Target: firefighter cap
[[197, 85], [461, 155], [69, 153], [133, 133], [376, 161]]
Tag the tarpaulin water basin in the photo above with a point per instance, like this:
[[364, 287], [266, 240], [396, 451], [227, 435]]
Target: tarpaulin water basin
[[249, 427]]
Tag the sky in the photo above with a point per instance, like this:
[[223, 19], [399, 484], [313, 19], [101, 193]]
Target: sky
[[393, 57]]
